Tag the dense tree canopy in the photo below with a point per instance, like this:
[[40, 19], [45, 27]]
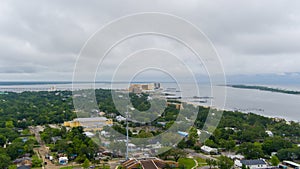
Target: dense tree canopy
[[244, 133]]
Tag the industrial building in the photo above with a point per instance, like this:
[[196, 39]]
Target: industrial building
[[90, 124]]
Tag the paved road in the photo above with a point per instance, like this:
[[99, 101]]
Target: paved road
[[196, 164], [204, 167], [42, 150], [192, 153], [200, 155]]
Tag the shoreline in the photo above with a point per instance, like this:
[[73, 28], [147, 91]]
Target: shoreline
[[224, 109], [19, 89], [265, 88]]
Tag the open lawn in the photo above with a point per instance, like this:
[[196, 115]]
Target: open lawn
[[187, 162], [70, 167], [97, 167], [201, 162]]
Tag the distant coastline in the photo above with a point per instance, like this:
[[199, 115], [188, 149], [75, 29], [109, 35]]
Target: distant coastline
[[264, 88], [21, 83], [284, 105]]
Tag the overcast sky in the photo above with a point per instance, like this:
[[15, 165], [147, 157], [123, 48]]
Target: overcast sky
[[40, 40]]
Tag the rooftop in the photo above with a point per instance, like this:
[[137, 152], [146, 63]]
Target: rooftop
[[292, 163], [91, 119], [253, 162], [23, 167], [148, 163]]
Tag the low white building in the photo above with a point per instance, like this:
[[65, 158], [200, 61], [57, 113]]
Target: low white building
[[235, 156], [291, 164], [209, 150], [132, 147], [89, 134], [63, 160], [270, 133], [120, 118], [105, 133], [252, 164], [157, 145]]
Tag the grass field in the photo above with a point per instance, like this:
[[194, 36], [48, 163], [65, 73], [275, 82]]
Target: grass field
[[187, 162], [66, 167], [97, 167], [201, 162]]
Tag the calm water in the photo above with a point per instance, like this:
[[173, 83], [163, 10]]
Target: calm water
[[266, 103], [261, 102]]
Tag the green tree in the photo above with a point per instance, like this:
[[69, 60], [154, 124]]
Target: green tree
[[227, 144], [210, 143], [251, 150], [144, 134], [225, 162], [4, 160], [2, 140], [289, 154], [12, 167], [36, 162], [211, 162], [274, 160], [193, 135], [273, 144], [168, 166], [86, 163], [15, 150], [9, 133], [177, 153], [9, 124]]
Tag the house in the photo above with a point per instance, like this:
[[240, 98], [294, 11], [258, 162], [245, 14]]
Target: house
[[55, 139], [105, 133], [101, 113], [162, 123], [235, 156], [252, 164], [23, 167], [120, 118], [89, 134], [25, 161], [24, 139], [132, 147], [209, 150], [156, 145]]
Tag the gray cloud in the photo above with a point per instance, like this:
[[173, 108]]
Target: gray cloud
[[40, 40], [18, 69]]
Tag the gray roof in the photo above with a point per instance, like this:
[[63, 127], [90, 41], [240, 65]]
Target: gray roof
[[253, 162], [23, 167], [19, 160], [91, 119]]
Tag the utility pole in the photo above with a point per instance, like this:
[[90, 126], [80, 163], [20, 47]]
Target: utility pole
[[127, 134]]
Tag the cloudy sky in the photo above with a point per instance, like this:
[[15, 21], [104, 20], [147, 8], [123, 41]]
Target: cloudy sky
[[40, 40]]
